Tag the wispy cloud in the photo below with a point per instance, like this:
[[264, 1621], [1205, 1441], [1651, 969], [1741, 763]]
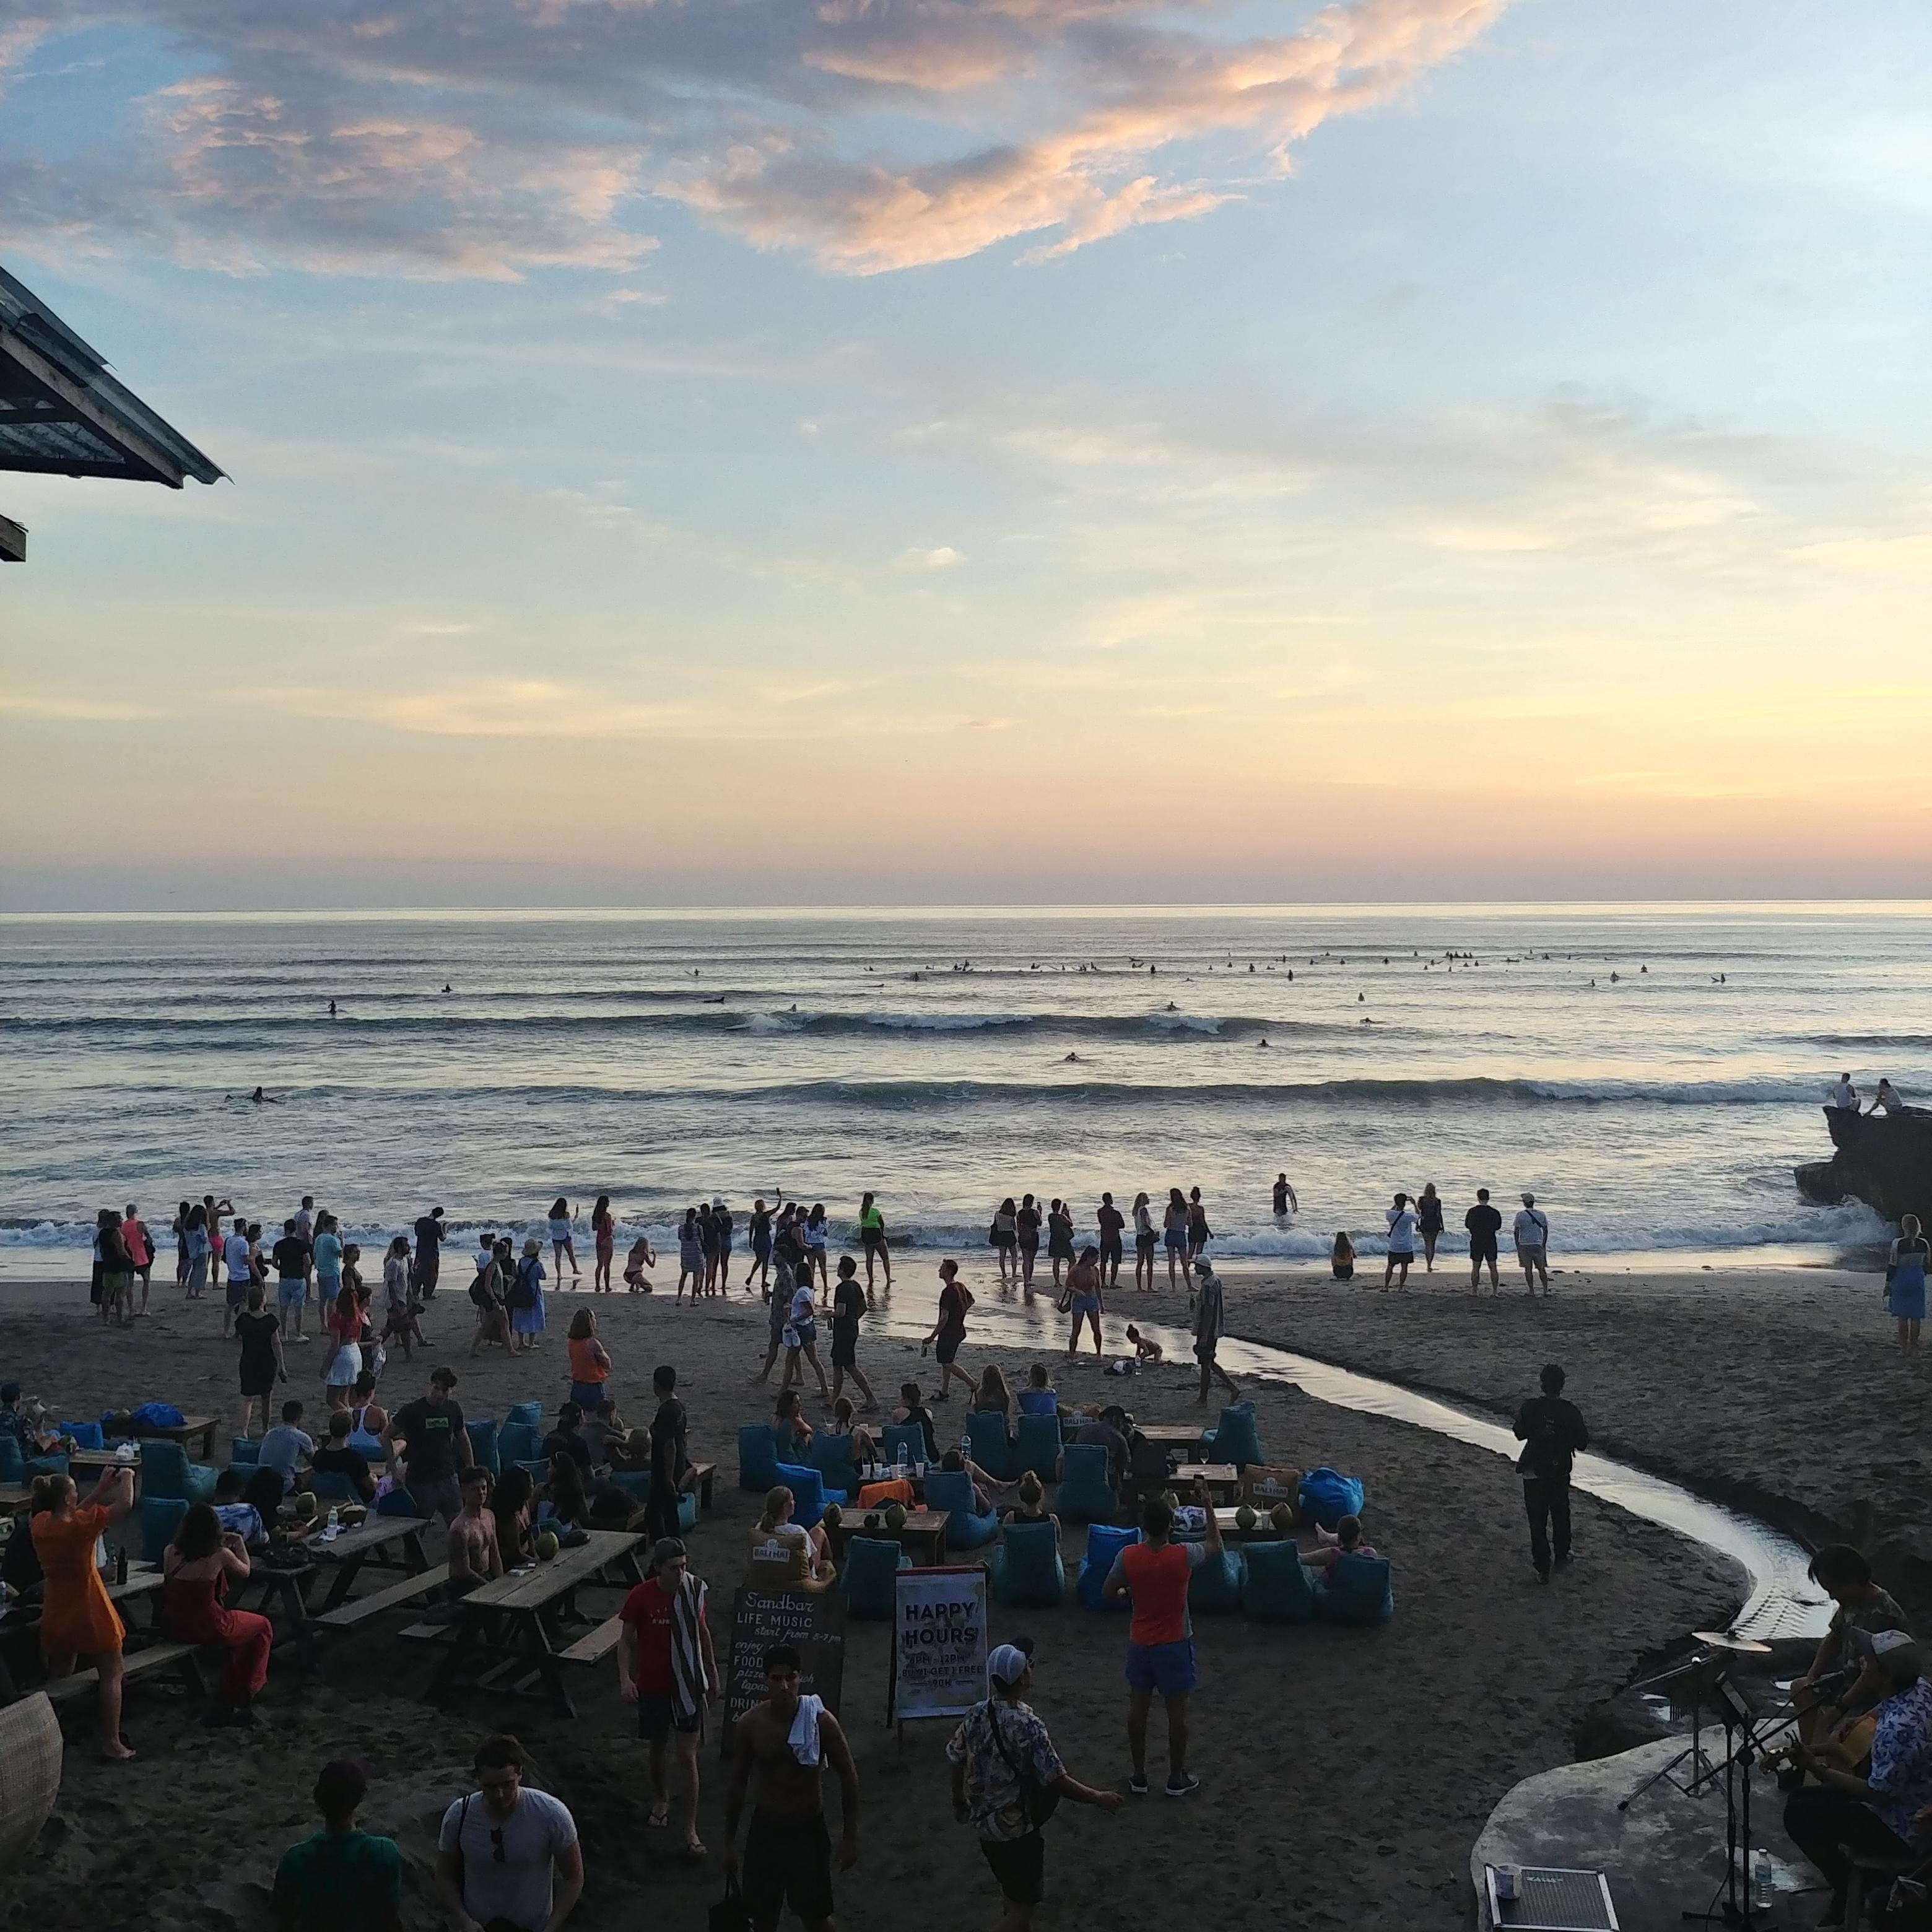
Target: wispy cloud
[[482, 138]]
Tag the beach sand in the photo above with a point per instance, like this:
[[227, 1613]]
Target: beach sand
[[1345, 1773]]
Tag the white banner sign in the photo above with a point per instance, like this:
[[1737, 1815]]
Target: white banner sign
[[939, 1659]]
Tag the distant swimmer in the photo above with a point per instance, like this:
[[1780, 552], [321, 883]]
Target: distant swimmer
[[331, 1009], [1072, 1059], [1171, 1007], [445, 985], [1263, 1040], [259, 1098]]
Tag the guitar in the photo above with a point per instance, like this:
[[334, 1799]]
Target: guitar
[[1848, 1748]]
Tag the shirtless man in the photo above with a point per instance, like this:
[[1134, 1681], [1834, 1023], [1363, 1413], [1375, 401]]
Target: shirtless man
[[788, 1850], [474, 1557]]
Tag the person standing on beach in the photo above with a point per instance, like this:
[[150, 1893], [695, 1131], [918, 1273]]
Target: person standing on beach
[[1112, 1223], [690, 1257], [670, 1454], [1484, 1224], [759, 1230], [1147, 1243], [1198, 1232], [814, 1233], [800, 1333], [1401, 1241], [872, 1239], [140, 1245], [1905, 1273], [563, 1232], [290, 1255], [263, 1364], [429, 1436], [1532, 1244], [430, 1236], [1026, 1228], [200, 1249], [955, 1299], [1552, 1432], [787, 1741], [1003, 1238], [1083, 1301], [1154, 1575], [1429, 1223], [508, 1859], [341, 1876], [241, 1272], [77, 1618], [1174, 1232], [1210, 1324], [848, 1309], [666, 1667], [604, 1235]]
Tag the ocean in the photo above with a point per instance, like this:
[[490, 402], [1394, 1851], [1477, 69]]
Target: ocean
[[1652, 1073]]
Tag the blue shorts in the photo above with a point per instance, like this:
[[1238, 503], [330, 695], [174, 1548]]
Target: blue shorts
[[1167, 1668], [1177, 1240], [588, 1395], [289, 1293]]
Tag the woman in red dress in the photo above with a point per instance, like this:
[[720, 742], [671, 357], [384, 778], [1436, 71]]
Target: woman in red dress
[[77, 1618], [198, 1565]]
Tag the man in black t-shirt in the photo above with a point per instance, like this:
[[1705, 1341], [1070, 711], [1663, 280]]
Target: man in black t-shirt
[[1112, 1221], [1484, 1223], [436, 1448], [669, 1460], [1552, 1432], [293, 1257], [567, 1438], [428, 1263], [335, 1457]]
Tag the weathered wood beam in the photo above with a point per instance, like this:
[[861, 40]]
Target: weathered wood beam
[[144, 455], [13, 542]]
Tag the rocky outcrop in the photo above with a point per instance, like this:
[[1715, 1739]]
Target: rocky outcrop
[[1883, 1159]]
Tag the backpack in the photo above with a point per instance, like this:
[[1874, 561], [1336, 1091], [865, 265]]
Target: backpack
[[524, 1290]]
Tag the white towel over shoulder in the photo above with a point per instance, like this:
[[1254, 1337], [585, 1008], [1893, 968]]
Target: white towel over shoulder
[[803, 1737]]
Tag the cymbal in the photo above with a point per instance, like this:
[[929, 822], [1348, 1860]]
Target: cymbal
[[1744, 1646]]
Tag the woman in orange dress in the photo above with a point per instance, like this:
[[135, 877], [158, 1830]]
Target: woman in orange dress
[[589, 1365], [199, 1564], [77, 1620]]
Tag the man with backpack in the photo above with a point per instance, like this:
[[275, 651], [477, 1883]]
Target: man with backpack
[[1552, 1432], [1008, 1780]]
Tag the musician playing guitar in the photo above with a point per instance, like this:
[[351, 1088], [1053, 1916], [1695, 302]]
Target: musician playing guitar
[[1843, 1573], [1844, 1816]]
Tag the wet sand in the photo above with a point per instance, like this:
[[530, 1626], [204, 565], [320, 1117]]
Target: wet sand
[[1345, 1773]]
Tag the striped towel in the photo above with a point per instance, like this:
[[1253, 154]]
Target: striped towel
[[688, 1684]]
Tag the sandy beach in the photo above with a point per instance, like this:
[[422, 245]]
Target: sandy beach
[[1347, 1771]]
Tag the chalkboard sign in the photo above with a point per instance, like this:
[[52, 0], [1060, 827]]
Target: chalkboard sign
[[812, 1622]]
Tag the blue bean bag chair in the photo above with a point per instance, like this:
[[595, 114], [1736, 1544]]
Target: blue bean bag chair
[[1084, 1494], [332, 1485], [396, 1502], [1218, 1585], [517, 1442], [636, 1483], [831, 1455], [1036, 1447], [968, 1527], [1326, 1496], [757, 1457], [1279, 1590], [1234, 1439], [245, 1449], [989, 1444], [809, 1496], [907, 1435], [167, 1471], [86, 1434], [161, 1517], [529, 1414], [50, 1465], [483, 1444], [1104, 1542], [1358, 1591], [872, 1563], [1025, 1567]]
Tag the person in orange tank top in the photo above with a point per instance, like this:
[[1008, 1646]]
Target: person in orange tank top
[[1154, 1573], [589, 1366], [77, 1618]]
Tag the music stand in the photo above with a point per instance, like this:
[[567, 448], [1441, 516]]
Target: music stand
[[1734, 1711]]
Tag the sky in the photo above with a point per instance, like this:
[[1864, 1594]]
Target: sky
[[751, 452]]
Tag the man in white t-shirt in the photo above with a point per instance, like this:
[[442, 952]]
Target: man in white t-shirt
[[1842, 1096], [241, 1272], [507, 1855], [1531, 1228], [1401, 1241]]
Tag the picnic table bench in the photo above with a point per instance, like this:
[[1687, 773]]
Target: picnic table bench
[[509, 1624], [369, 1542], [703, 1475], [411, 1590]]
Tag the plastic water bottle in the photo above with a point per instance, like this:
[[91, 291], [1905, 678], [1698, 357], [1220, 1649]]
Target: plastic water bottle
[[334, 1528], [1763, 1887]]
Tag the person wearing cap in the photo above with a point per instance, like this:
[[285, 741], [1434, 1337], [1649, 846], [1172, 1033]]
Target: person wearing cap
[[1007, 1776], [1845, 1817], [342, 1876], [1532, 1230], [666, 1667]]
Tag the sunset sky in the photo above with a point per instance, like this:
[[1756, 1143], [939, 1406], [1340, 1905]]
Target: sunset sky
[[744, 452]]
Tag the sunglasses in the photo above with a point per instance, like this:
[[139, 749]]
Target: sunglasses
[[496, 1844]]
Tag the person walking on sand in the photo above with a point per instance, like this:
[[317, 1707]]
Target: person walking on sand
[[508, 1859], [77, 1618], [1003, 1766], [1084, 1299], [1210, 1324], [872, 1239], [562, 1230], [1552, 1432], [1173, 1233], [603, 1234], [667, 1667], [340, 1875], [786, 1264], [1905, 1273], [1154, 1574], [848, 1310], [524, 1296], [955, 1300], [1532, 1229], [786, 1742], [1429, 1223], [1484, 1224], [1401, 1219], [263, 1364], [800, 1334]]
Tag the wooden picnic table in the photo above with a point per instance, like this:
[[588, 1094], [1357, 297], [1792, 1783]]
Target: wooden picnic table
[[1214, 1475], [368, 1542], [1264, 1531], [923, 1534], [203, 1426], [1182, 1435], [502, 1623], [83, 1461], [144, 1580]]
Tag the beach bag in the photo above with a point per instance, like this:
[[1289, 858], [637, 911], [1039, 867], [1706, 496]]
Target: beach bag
[[479, 1290], [729, 1914], [1326, 1496], [523, 1290], [1038, 1801], [159, 1415]]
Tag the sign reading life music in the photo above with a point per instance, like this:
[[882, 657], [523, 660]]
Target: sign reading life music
[[939, 1649]]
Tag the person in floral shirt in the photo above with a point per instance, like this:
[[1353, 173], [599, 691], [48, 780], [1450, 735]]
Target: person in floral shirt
[[1003, 1766], [1845, 1816]]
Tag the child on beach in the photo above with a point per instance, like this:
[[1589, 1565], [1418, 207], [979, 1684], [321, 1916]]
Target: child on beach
[[1144, 1349]]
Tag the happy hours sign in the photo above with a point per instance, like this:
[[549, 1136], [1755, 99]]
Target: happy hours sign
[[939, 1654]]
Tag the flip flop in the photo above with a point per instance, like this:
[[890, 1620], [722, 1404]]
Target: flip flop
[[659, 1819], [694, 1850]]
